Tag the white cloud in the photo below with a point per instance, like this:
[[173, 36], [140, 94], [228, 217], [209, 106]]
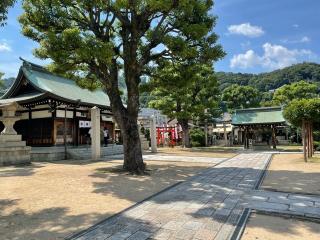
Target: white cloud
[[295, 25], [246, 60], [274, 57], [246, 29], [304, 39], [4, 47]]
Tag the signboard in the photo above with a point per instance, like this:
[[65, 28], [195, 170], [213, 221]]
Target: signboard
[[84, 124]]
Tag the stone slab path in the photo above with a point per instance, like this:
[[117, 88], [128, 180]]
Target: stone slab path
[[207, 206], [173, 158]]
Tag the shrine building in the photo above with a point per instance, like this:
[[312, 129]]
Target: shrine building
[[49, 104]]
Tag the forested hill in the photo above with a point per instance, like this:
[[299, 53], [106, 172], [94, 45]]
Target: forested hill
[[272, 80]]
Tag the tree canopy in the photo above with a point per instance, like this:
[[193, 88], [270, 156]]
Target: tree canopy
[[237, 97], [302, 109], [4, 6], [92, 41], [297, 90]]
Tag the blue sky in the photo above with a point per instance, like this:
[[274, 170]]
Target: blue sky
[[258, 35]]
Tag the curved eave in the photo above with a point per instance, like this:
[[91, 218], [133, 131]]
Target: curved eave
[[72, 102], [10, 92]]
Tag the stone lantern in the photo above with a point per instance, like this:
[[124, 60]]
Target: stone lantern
[[12, 149]]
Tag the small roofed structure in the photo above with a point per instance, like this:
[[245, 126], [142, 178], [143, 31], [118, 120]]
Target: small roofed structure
[[49, 104], [257, 128]]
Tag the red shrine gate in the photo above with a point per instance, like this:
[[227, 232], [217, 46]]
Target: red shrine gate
[[167, 136]]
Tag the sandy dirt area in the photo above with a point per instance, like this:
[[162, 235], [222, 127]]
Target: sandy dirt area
[[192, 152], [53, 200], [289, 173], [263, 227]]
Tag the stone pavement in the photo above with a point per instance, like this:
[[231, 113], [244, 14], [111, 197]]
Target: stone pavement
[[206, 206], [173, 158]]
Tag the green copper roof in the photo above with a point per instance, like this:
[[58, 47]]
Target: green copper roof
[[253, 116], [45, 84], [64, 88]]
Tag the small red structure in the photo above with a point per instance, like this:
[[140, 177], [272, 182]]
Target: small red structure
[[167, 136]]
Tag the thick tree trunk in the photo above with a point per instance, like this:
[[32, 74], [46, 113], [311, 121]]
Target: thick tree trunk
[[133, 161], [186, 135], [127, 119]]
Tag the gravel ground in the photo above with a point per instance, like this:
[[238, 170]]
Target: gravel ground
[[264, 227], [289, 173]]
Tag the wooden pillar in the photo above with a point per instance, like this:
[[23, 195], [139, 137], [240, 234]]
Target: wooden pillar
[[246, 145], [274, 140]]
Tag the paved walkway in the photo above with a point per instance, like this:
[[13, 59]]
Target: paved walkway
[[207, 206], [173, 158]]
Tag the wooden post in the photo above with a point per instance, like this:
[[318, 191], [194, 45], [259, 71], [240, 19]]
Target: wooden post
[[274, 143], [246, 143]]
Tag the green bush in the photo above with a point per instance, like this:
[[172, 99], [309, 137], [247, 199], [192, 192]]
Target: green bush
[[316, 145], [197, 138]]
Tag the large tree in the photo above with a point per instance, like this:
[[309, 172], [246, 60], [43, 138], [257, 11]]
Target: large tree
[[297, 90], [94, 40], [237, 96], [185, 92], [4, 6], [304, 113]]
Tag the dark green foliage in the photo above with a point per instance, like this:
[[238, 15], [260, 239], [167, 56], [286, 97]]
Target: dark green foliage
[[237, 97], [228, 79], [197, 137], [269, 81], [4, 6], [316, 145]]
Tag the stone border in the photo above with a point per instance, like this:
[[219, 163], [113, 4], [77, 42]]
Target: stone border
[[81, 233], [263, 174], [242, 224]]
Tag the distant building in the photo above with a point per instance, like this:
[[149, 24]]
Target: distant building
[[146, 113], [260, 128]]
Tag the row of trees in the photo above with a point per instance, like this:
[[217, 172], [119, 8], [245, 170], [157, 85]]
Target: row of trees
[[238, 97]]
